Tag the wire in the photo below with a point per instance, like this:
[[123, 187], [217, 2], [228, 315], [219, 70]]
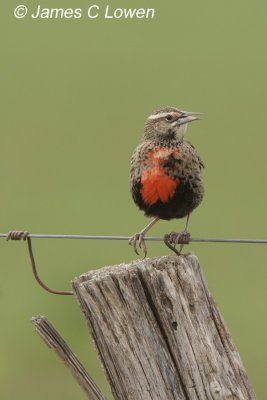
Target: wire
[[46, 236], [25, 235], [18, 235]]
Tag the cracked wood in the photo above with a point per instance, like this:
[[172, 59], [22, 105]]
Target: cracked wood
[[159, 333], [55, 341]]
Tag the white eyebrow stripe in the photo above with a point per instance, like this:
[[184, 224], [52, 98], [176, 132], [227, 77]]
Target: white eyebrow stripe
[[160, 115]]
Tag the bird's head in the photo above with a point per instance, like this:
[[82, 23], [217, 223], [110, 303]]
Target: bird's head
[[168, 124]]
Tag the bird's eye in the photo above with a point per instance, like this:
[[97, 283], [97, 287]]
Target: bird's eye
[[169, 117]]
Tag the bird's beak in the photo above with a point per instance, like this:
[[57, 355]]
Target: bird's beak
[[188, 116]]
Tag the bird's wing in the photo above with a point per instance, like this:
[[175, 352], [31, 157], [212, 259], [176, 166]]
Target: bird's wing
[[201, 164]]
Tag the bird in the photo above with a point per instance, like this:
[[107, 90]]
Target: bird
[[165, 174]]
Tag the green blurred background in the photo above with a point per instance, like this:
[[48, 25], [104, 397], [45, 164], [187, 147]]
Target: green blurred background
[[74, 98]]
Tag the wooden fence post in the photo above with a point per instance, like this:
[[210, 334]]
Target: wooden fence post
[[55, 341], [158, 332]]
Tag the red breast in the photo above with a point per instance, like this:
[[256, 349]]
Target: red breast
[[156, 183]]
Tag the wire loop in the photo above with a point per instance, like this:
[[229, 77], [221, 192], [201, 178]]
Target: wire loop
[[18, 235]]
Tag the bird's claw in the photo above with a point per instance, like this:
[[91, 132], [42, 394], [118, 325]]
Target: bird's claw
[[181, 238], [140, 238], [132, 241]]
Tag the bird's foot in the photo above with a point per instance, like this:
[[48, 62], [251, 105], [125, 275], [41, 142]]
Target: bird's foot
[[179, 237], [140, 238], [175, 238]]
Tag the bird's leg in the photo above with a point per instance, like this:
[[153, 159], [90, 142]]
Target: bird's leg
[[185, 236], [181, 237], [140, 237]]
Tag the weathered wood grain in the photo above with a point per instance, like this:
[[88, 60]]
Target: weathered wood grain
[[53, 340], [159, 334]]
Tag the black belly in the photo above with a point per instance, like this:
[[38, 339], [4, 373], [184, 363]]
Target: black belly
[[187, 197]]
